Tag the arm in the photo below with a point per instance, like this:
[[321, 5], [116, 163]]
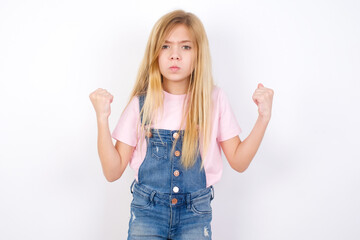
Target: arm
[[240, 154], [114, 159]]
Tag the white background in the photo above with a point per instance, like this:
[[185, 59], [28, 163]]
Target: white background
[[304, 181]]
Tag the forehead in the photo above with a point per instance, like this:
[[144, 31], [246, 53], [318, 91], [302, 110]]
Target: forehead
[[179, 33]]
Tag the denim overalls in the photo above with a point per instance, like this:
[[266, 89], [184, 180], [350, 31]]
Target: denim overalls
[[169, 202]]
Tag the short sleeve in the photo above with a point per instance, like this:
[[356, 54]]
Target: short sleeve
[[228, 125], [127, 126]]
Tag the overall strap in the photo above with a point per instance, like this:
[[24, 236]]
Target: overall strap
[[141, 104]]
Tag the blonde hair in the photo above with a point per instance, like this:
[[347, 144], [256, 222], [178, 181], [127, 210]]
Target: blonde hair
[[197, 107]]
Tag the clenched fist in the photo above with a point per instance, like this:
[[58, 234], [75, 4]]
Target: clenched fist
[[101, 100], [263, 98]]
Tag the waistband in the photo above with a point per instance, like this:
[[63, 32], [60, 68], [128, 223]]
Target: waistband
[[182, 198]]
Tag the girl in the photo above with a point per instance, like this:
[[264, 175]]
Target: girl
[[184, 119]]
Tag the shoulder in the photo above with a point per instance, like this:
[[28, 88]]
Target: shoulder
[[135, 99], [220, 101], [218, 95], [132, 107]]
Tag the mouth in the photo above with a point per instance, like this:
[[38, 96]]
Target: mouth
[[174, 68]]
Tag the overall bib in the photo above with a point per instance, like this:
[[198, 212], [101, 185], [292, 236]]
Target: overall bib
[[169, 202]]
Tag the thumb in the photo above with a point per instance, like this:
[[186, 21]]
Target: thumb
[[260, 85]]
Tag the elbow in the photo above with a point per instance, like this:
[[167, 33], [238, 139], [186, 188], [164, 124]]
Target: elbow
[[111, 177], [240, 165], [113, 173], [239, 168]]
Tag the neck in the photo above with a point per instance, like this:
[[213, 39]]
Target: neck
[[175, 87]]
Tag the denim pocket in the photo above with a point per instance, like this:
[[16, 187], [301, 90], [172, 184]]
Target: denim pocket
[[140, 201], [158, 149], [201, 205]]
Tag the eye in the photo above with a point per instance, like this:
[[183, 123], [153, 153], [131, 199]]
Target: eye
[[186, 47], [165, 46]]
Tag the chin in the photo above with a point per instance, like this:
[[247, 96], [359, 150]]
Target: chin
[[175, 78]]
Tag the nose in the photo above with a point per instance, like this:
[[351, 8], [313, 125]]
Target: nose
[[175, 58], [175, 55]]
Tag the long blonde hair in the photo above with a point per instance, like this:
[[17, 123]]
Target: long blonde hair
[[197, 107]]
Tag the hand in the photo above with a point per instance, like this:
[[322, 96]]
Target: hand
[[101, 100], [263, 98]]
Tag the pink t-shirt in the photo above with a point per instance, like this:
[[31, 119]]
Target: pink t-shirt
[[224, 127]]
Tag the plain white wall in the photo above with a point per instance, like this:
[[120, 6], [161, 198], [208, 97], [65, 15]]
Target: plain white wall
[[304, 181]]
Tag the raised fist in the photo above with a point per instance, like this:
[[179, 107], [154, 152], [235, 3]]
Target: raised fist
[[101, 100], [263, 98]]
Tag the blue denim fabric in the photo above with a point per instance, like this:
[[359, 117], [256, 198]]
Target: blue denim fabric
[[167, 205]]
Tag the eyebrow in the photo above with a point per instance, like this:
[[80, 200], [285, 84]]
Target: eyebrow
[[183, 41]]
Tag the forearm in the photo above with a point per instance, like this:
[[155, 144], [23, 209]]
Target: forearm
[[247, 149], [109, 156]]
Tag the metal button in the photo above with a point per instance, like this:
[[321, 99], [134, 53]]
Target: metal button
[[174, 201], [175, 135], [175, 189], [176, 173], [177, 153]]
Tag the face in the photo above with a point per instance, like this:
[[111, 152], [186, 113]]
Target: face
[[177, 55]]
